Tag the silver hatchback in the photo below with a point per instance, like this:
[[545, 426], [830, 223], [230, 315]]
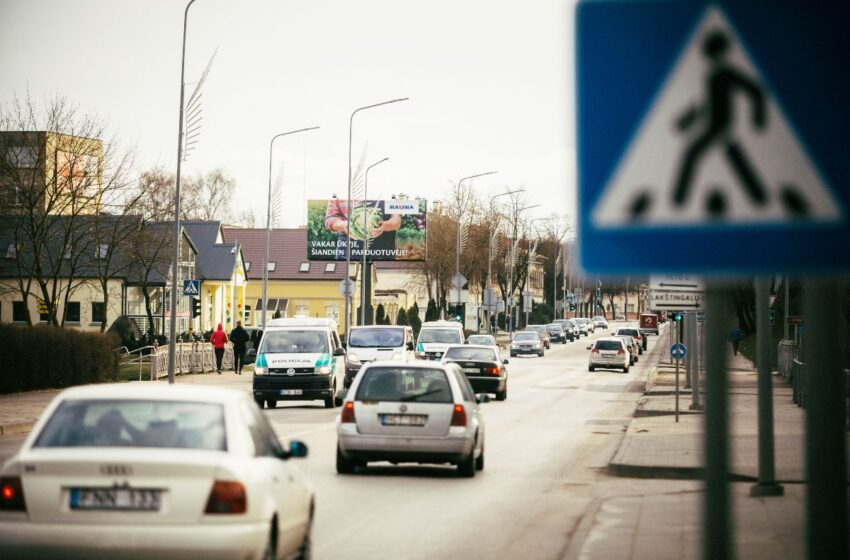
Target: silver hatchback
[[411, 413]]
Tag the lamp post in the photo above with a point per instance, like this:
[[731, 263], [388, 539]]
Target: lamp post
[[528, 269], [365, 245], [172, 335], [509, 308], [269, 219], [348, 208], [490, 249]]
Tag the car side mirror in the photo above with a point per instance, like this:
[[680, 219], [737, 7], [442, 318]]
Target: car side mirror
[[482, 398], [410, 345], [590, 347], [297, 449], [339, 352], [506, 362], [343, 344], [612, 334]]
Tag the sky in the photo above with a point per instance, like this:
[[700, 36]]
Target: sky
[[490, 84]]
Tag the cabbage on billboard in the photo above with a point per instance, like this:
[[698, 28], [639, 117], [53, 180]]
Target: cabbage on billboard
[[391, 230]]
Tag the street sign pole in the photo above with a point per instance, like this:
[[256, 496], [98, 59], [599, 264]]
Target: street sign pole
[[717, 514], [697, 351], [766, 485]]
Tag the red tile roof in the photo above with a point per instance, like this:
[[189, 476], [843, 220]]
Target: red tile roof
[[287, 249]]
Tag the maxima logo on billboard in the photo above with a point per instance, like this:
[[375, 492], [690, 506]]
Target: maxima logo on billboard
[[401, 206]]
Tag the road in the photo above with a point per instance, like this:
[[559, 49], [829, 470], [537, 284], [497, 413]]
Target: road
[[546, 449]]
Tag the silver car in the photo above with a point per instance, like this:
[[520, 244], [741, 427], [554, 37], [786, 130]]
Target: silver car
[[609, 352], [411, 413]]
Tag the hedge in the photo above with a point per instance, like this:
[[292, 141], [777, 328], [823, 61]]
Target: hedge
[[45, 357]]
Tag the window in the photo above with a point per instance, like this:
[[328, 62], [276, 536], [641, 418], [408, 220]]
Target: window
[[302, 310], [332, 312], [271, 266], [19, 311], [305, 267], [247, 314], [247, 266], [72, 312], [21, 156], [330, 267], [12, 251], [101, 251], [400, 384], [98, 312]]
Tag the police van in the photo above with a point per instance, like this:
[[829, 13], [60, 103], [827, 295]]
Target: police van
[[435, 337], [299, 359]]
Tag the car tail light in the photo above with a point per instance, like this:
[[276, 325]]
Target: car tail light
[[459, 416], [493, 371], [621, 351], [12, 494], [595, 351], [227, 497], [347, 416]]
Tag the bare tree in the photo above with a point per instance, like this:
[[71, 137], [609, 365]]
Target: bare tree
[[208, 197]]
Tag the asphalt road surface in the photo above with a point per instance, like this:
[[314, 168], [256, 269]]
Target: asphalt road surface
[[546, 449]]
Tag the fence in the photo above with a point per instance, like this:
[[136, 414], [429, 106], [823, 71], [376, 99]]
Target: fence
[[799, 380], [787, 353], [190, 357]]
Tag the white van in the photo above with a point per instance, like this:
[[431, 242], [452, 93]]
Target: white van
[[435, 337], [299, 359], [377, 342]]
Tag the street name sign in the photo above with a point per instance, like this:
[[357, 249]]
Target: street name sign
[[676, 283], [710, 134], [676, 301]]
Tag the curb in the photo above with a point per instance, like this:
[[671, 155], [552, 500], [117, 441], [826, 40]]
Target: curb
[[682, 412], [669, 472], [17, 428]]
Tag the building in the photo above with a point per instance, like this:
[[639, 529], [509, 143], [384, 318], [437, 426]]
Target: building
[[296, 285]]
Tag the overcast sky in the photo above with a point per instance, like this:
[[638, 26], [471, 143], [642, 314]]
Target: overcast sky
[[490, 85]]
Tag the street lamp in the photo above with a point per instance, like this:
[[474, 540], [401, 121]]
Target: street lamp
[[365, 245], [348, 209], [457, 244], [269, 218], [172, 335], [509, 308], [528, 269], [490, 248]]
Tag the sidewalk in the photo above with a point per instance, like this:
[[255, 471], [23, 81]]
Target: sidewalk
[[20, 411], [660, 522]]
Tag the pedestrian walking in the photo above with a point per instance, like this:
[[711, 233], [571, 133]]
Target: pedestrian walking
[[218, 339], [239, 337], [735, 337], [256, 337]]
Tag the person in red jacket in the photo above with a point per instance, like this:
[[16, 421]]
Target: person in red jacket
[[218, 339]]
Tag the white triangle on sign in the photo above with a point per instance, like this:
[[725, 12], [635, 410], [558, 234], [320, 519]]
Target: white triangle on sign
[[190, 289], [785, 185]]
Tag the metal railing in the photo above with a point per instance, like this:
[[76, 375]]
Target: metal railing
[[190, 357], [799, 381], [786, 355]]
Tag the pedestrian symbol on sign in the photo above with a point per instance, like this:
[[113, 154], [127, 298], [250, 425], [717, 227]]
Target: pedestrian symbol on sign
[[736, 163]]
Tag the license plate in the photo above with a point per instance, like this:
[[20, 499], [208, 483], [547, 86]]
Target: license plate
[[125, 499], [608, 355], [403, 419], [471, 370], [289, 392]]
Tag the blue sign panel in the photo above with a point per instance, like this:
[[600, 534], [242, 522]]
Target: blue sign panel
[[678, 351], [191, 287], [711, 134]]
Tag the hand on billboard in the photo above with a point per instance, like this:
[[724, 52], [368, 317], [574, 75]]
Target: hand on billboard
[[390, 224], [340, 226]]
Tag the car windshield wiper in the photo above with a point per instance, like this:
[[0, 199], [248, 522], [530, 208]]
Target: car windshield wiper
[[415, 397]]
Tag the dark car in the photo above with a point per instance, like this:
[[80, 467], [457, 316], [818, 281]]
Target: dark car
[[482, 366], [556, 333]]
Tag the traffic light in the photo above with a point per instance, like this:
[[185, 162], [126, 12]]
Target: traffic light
[[196, 307], [677, 317], [459, 313], [572, 307]]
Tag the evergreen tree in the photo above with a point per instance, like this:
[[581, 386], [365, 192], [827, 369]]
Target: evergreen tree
[[401, 319], [432, 313], [381, 315], [413, 318]]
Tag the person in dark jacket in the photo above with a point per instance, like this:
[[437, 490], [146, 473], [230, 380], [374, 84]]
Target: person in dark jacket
[[218, 339], [256, 337], [239, 337]]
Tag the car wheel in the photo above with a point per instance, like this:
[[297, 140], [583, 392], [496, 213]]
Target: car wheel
[[479, 462], [271, 403], [625, 369], [330, 402], [513, 355], [540, 354], [502, 395], [270, 552], [590, 368], [466, 468], [343, 465], [260, 402]]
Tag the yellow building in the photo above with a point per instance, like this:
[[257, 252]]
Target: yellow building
[[296, 285]]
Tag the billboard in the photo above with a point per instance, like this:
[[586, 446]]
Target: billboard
[[391, 230]]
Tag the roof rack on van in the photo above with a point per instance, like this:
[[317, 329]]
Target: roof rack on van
[[302, 322], [442, 323]]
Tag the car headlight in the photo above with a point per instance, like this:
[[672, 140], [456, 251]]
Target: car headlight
[[420, 355], [259, 371], [353, 358], [537, 345], [324, 370]]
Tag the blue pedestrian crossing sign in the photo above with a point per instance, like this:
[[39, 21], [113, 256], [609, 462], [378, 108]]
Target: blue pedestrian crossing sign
[[678, 351], [191, 287], [710, 134]]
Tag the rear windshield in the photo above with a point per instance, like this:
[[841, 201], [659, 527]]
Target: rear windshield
[[482, 339], [444, 336], [630, 332], [599, 318], [135, 423], [463, 353], [609, 345], [292, 341], [554, 328], [404, 384], [527, 336], [376, 338]]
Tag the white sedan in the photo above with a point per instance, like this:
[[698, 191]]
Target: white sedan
[[154, 471]]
